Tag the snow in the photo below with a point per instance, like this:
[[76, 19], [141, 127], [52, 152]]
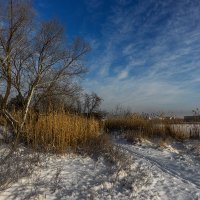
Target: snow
[[175, 169], [152, 172]]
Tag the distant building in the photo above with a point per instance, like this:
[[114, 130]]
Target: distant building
[[192, 118]]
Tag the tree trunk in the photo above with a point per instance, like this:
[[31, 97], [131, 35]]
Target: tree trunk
[[30, 96]]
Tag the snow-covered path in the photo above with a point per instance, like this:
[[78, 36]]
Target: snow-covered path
[[176, 167], [176, 172]]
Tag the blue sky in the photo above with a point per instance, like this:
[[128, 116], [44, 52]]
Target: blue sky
[[145, 53]]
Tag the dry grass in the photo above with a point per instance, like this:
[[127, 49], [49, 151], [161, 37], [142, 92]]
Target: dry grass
[[132, 122], [102, 146], [175, 133], [137, 127], [58, 131]]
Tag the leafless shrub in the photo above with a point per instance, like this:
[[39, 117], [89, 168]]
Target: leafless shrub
[[16, 165], [91, 103], [102, 146]]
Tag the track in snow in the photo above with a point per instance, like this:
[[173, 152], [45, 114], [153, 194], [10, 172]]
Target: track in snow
[[161, 166]]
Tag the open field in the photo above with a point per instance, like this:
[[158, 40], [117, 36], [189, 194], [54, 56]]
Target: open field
[[152, 166], [144, 170]]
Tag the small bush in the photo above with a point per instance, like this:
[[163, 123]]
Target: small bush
[[16, 165], [102, 146]]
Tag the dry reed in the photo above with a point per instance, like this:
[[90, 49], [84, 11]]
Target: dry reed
[[57, 131], [136, 126]]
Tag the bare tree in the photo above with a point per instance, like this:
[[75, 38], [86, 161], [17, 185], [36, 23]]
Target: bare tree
[[91, 103], [35, 58], [14, 27], [120, 110], [62, 96]]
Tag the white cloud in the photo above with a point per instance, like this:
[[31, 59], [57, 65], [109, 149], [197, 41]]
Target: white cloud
[[159, 63], [123, 74]]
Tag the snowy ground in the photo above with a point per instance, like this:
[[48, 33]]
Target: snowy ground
[[151, 172], [175, 168]]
